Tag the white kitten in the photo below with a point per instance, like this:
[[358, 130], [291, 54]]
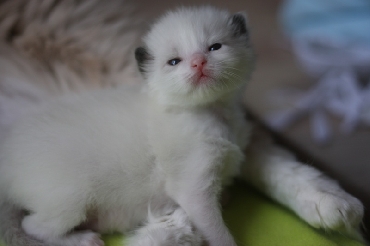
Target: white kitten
[[114, 160]]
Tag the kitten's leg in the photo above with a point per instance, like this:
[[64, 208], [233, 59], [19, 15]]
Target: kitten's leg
[[195, 184], [171, 229], [54, 228], [309, 193]]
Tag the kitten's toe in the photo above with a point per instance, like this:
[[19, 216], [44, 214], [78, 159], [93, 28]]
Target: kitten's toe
[[91, 239], [168, 230], [334, 210]]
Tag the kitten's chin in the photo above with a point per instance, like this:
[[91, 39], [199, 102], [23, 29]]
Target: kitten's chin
[[201, 79]]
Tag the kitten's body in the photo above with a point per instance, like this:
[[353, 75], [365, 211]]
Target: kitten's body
[[112, 160], [117, 153], [97, 149], [57, 47]]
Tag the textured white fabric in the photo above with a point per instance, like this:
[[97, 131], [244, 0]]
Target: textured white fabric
[[336, 66]]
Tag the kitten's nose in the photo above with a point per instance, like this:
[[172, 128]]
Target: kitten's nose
[[198, 61]]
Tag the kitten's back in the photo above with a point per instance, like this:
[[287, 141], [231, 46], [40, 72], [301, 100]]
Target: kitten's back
[[55, 47]]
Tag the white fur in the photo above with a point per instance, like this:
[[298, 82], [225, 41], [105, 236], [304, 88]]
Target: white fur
[[104, 159], [55, 47], [230, 66], [314, 197], [173, 228], [115, 152]]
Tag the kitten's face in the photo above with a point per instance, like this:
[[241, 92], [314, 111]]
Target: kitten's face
[[196, 56]]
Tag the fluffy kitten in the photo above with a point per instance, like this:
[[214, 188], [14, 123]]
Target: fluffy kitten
[[114, 160]]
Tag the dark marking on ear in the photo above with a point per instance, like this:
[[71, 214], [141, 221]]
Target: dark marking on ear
[[142, 57], [238, 23]]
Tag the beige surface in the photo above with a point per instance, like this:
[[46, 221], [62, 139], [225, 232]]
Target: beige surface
[[347, 157]]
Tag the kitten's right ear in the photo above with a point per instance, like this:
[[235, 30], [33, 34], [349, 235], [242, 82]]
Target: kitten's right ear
[[142, 57], [238, 23]]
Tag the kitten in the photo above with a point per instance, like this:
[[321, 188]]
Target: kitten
[[156, 158]]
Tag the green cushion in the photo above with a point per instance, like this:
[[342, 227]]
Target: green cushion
[[256, 221]]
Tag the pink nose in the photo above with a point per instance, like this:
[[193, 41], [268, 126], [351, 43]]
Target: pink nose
[[198, 61]]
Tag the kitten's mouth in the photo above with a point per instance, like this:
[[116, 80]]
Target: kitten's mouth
[[201, 78]]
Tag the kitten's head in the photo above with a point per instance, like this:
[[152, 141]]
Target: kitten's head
[[195, 56]]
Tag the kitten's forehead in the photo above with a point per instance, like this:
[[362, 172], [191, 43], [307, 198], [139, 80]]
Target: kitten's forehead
[[188, 28]]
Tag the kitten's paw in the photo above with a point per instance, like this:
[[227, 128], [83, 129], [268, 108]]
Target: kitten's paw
[[89, 239], [333, 210], [173, 229]]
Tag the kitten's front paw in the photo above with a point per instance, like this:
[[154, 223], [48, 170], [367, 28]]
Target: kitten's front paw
[[90, 239], [333, 210], [173, 229]]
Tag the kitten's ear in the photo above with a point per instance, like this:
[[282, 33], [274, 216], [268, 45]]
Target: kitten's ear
[[142, 57], [238, 23]]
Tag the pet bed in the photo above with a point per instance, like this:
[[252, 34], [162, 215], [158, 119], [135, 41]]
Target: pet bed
[[254, 220]]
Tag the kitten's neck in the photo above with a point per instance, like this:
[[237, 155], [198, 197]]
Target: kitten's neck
[[226, 101]]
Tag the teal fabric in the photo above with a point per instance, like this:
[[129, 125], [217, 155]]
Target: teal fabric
[[347, 21]]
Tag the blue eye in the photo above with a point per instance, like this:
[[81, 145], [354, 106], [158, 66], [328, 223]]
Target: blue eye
[[215, 46], [174, 62]]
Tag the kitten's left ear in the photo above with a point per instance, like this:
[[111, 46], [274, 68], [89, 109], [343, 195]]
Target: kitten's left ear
[[238, 22], [142, 57]]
